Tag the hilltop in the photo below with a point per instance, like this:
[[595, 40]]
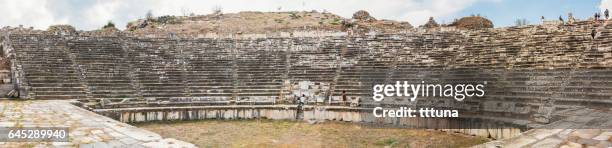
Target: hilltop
[[251, 22], [263, 22]]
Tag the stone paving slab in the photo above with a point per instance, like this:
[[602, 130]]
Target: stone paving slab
[[583, 127], [87, 129]]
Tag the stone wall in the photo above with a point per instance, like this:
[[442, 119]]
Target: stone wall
[[495, 130]]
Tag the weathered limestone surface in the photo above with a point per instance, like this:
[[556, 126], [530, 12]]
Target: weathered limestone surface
[[524, 68], [534, 74], [582, 128], [524, 64], [87, 129]]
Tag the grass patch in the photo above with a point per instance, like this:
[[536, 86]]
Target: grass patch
[[288, 133], [335, 21], [387, 142]]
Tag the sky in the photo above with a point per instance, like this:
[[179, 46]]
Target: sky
[[93, 14]]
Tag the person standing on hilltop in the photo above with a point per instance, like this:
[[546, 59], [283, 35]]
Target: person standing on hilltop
[[607, 14]]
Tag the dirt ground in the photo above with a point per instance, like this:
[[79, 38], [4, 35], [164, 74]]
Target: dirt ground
[[271, 133]]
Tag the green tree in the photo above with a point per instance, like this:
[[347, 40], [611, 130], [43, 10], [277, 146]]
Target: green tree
[[110, 24]]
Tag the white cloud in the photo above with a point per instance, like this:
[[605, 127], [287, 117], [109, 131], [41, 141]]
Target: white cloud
[[605, 4], [32, 13], [102, 11], [92, 14]]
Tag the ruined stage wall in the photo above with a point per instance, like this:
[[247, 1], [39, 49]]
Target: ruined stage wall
[[312, 114]]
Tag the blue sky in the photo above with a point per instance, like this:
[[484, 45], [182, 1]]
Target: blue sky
[[93, 14], [505, 12]]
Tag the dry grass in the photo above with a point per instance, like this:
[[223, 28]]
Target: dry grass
[[269, 133], [251, 22], [265, 22]]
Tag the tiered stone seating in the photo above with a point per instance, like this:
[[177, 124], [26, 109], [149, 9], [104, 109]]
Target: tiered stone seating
[[259, 69], [521, 65], [209, 70], [528, 72], [314, 60], [159, 68], [104, 68], [49, 72], [362, 68]]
